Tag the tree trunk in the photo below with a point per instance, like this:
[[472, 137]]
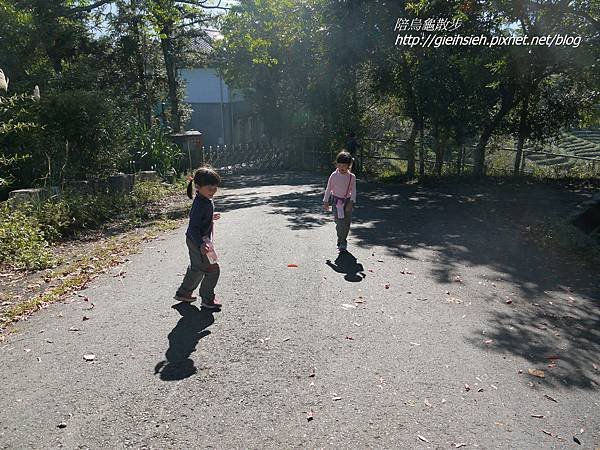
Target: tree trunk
[[488, 131], [144, 101], [439, 146], [422, 152], [167, 48], [522, 134], [410, 150]]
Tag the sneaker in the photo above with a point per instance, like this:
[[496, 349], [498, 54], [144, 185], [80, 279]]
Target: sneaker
[[214, 304], [187, 298]]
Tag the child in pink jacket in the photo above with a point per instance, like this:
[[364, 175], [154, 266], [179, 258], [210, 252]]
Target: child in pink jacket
[[341, 192]]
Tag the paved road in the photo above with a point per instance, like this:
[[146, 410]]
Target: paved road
[[453, 304]]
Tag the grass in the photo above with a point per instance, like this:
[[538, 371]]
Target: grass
[[27, 231], [76, 275]]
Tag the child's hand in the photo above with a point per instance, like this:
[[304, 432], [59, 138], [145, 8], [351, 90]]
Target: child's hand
[[216, 216], [204, 249], [326, 206]]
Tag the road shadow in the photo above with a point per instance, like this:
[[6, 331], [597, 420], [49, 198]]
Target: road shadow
[[182, 342], [554, 334], [296, 178], [347, 264], [487, 230]]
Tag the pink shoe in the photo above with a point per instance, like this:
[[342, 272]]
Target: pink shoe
[[214, 304]]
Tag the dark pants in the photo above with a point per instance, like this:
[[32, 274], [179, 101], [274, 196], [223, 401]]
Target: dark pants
[[342, 226], [199, 272]]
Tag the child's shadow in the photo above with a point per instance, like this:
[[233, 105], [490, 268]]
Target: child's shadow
[[346, 263], [182, 342]]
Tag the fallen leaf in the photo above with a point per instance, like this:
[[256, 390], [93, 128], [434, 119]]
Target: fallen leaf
[[89, 357], [347, 306], [359, 300], [286, 339], [380, 260], [414, 343], [310, 415], [73, 329], [508, 302], [62, 425], [536, 373], [27, 350], [537, 416], [480, 390], [458, 279], [335, 399], [548, 433], [387, 285], [39, 359], [462, 444], [350, 338], [427, 403], [576, 440], [85, 318], [422, 438], [467, 387], [370, 270], [312, 373], [292, 265]]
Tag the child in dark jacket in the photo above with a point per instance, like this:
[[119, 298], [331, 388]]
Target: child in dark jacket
[[203, 270]]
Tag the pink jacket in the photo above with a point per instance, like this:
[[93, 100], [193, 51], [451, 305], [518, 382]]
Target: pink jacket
[[338, 185]]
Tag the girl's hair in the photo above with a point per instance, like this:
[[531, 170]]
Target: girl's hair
[[343, 157], [204, 176]]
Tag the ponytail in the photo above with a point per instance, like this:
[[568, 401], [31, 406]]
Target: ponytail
[[204, 176], [190, 189]]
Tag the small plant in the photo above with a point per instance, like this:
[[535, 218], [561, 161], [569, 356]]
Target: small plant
[[22, 241], [154, 150]]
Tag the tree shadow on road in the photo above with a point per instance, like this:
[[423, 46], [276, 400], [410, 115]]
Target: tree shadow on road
[[182, 342], [347, 264], [480, 232], [303, 209]]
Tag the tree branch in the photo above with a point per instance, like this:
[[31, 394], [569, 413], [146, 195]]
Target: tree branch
[[91, 7], [201, 4], [563, 7]]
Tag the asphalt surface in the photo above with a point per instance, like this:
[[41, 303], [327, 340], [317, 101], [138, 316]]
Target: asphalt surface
[[453, 306]]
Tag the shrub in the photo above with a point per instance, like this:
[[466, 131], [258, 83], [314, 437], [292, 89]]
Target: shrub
[[22, 241]]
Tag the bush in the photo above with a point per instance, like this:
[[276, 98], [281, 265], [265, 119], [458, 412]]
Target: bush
[[26, 231], [22, 241], [154, 150]]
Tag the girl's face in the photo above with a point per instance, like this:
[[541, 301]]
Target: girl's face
[[207, 191], [343, 168]]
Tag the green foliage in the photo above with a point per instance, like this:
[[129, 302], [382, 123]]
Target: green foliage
[[153, 149], [17, 129], [27, 230], [272, 51], [22, 241], [84, 135]]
